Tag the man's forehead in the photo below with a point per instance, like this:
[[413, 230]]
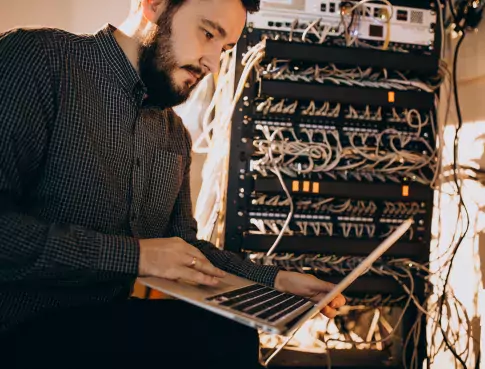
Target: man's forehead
[[226, 16]]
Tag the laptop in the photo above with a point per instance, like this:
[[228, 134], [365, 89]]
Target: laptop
[[262, 307]]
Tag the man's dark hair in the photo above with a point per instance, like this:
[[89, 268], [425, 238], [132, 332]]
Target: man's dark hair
[[251, 6]]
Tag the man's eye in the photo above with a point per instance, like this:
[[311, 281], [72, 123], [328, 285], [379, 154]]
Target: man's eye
[[209, 35]]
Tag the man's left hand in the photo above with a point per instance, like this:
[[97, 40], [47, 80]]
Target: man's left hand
[[309, 286]]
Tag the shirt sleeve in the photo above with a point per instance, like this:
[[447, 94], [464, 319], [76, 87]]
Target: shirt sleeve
[[32, 248], [183, 225]]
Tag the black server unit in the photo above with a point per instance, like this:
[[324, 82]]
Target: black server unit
[[357, 158]]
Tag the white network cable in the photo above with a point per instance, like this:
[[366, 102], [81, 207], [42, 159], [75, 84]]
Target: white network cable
[[322, 228], [275, 169], [362, 2], [400, 271], [216, 136], [327, 155], [370, 78]]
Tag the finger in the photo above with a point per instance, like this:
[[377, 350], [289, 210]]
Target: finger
[[203, 265], [338, 301], [194, 276], [329, 312], [187, 248]]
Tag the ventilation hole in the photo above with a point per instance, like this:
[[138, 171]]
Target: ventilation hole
[[417, 17]]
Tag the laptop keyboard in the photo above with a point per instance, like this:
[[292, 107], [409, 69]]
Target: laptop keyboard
[[260, 301]]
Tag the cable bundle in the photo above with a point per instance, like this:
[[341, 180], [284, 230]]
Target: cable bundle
[[322, 151], [405, 272], [216, 136], [331, 74]]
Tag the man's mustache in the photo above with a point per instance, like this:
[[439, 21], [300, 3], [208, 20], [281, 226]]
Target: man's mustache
[[197, 71]]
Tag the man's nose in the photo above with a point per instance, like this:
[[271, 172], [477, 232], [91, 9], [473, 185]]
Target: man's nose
[[212, 61]]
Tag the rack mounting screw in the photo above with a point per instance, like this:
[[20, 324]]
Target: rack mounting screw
[[240, 213]]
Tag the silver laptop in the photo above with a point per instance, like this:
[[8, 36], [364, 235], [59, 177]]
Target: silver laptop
[[262, 307]]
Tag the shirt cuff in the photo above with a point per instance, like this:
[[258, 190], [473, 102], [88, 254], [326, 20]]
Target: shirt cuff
[[265, 274], [119, 254]]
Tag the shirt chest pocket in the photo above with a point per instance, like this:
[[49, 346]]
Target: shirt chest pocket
[[166, 177]]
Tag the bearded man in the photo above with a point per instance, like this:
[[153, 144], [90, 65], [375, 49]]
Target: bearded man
[[94, 192]]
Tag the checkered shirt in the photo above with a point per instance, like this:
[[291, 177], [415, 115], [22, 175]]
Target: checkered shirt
[[85, 171]]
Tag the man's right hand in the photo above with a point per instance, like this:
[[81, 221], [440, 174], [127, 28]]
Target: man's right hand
[[173, 258]]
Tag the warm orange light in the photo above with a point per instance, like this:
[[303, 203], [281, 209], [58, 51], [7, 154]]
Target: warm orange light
[[391, 96], [316, 187], [405, 191], [306, 186]]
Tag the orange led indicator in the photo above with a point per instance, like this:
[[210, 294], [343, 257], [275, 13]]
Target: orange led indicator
[[316, 187], [295, 186], [405, 191], [306, 186], [391, 96]]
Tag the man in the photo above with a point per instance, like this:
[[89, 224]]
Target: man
[[94, 192]]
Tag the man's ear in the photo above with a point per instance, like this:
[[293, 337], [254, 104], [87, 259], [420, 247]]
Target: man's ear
[[152, 9]]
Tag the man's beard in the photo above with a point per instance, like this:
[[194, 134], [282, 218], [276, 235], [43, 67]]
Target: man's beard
[[157, 64]]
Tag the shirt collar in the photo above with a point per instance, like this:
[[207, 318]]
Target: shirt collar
[[118, 62]]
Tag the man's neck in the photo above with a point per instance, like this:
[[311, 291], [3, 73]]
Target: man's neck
[[127, 37]]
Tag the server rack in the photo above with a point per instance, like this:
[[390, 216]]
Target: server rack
[[245, 184]]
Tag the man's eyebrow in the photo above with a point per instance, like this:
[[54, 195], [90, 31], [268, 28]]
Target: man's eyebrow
[[215, 26]]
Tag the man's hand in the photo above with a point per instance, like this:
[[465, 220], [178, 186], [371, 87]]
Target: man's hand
[[173, 258], [308, 286]]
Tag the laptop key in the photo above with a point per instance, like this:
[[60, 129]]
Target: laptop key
[[282, 314], [256, 301], [296, 318], [280, 308], [268, 304], [238, 292], [245, 297], [244, 290]]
